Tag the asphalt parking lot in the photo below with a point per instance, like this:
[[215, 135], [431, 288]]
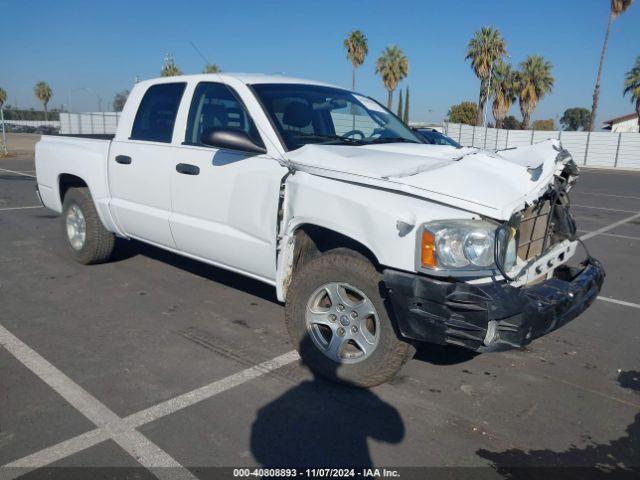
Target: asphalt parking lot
[[154, 363]]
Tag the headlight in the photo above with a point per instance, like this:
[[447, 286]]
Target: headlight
[[460, 245]]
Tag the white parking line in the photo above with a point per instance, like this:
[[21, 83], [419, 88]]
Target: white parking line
[[20, 208], [614, 235], [589, 235], [604, 195], [122, 430], [619, 302], [603, 208], [133, 442], [17, 173]]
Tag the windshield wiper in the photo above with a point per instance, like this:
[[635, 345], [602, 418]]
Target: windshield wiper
[[392, 140], [330, 137]]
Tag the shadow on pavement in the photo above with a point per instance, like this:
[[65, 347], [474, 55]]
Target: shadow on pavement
[[443, 354], [126, 249], [619, 458], [319, 423]]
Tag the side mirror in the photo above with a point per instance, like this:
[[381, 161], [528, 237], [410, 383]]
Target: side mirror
[[231, 139]]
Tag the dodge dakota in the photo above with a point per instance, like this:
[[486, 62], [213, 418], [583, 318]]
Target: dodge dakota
[[374, 239]]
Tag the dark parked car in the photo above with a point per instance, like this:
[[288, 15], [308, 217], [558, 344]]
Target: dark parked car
[[434, 137]]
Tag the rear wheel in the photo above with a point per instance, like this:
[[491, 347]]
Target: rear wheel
[[86, 238], [337, 319]]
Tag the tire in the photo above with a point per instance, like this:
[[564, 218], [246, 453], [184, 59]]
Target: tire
[[355, 276], [98, 243]]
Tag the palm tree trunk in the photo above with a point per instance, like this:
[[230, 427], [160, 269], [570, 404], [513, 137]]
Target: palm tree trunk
[[46, 114], [390, 99], [481, 101], [596, 90], [353, 79], [480, 105], [638, 112], [525, 120]]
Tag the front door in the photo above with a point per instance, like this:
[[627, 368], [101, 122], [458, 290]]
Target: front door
[[225, 202]]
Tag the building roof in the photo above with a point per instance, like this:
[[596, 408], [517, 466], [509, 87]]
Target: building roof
[[623, 118]]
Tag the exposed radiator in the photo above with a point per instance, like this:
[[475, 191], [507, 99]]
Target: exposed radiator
[[534, 230]]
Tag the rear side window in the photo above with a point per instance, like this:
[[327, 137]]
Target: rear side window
[[157, 113]]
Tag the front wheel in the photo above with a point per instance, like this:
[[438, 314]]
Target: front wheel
[[337, 319], [86, 238]]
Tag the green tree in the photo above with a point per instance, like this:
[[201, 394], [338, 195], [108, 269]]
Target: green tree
[[484, 49], [574, 119], [503, 90], [406, 108], [544, 124], [534, 82], [392, 66], [357, 50], [170, 69], [511, 123], [44, 93], [400, 105], [3, 97], [618, 7], [632, 86], [464, 112], [211, 68], [119, 100]]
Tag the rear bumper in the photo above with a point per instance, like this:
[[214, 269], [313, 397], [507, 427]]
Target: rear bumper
[[492, 316]]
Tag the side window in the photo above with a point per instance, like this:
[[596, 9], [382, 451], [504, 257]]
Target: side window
[[157, 113], [215, 106]]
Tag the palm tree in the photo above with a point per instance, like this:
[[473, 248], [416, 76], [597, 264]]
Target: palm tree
[[632, 86], [392, 66], [357, 50], [44, 93], [211, 68], [618, 7], [484, 49], [503, 90], [405, 119], [534, 82], [170, 69], [3, 97]]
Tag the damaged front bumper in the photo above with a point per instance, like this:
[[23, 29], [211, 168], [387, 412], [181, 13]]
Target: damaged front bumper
[[493, 316]]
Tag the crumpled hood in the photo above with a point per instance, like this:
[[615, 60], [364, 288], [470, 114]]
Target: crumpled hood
[[491, 184]]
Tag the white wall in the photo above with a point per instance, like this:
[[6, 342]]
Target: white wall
[[595, 149], [89, 122]]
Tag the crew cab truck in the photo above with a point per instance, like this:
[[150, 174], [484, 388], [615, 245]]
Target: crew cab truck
[[373, 239]]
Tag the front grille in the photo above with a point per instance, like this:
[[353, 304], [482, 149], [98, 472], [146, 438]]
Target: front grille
[[534, 230]]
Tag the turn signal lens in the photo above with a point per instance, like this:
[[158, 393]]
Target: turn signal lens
[[428, 250]]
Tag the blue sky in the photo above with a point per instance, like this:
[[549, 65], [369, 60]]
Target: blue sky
[[103, 46]]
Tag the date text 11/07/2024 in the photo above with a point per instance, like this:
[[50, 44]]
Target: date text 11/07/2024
[[316, 472]]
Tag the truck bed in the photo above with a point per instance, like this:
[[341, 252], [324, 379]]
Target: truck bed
[[60, 157]]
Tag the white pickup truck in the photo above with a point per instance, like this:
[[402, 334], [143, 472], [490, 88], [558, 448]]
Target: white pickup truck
[[374, 239]]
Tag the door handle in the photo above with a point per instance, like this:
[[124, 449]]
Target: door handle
[[187, 169], [123, 159]]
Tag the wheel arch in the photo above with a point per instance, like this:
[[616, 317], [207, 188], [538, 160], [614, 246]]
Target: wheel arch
[[67, 181], [307, 241]]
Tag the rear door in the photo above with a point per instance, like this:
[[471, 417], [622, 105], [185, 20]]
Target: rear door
[[140, 167], [225, 202]]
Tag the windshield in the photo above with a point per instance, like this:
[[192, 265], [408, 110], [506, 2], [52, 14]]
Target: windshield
[[305, 114], [436, 138]]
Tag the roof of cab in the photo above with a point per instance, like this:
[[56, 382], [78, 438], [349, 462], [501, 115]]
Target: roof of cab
[[248, 78]]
